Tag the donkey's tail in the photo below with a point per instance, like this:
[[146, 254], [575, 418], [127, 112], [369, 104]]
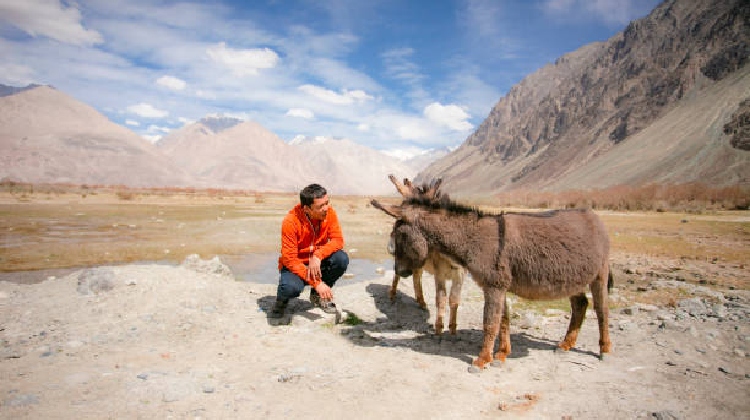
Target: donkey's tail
[[610, 281]]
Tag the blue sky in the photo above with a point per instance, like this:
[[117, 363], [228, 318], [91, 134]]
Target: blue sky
[[396, 75]]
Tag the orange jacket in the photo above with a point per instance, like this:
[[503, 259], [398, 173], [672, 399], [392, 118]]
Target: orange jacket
[[297, 242]]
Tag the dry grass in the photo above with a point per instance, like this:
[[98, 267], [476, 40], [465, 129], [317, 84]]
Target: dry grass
[[63, 230], [49, 229]]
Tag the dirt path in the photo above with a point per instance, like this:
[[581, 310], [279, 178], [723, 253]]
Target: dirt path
[[154, 341]]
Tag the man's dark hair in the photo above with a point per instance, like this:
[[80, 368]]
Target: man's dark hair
[[308, 194]]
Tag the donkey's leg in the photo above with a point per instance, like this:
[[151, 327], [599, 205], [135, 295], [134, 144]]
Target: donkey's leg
[[504, 349], [416, 277], [578, 305], [455, 298], [440, 300], [600, 295], [494, 301], [394, 286]]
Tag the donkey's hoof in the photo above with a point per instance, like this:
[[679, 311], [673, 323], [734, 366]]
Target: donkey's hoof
[[561, 350], [497, 363]]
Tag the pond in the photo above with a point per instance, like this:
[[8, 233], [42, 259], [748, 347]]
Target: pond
[[263, 268]]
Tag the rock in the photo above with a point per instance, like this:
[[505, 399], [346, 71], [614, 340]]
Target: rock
[[212, 266], [693, 306], [665, 415], [95, 281], [528, 320], [22, 400]]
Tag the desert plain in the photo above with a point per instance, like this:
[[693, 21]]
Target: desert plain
[[127, 304]]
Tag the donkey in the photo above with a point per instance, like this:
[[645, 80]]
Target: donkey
[[533, 255], [443, 268]]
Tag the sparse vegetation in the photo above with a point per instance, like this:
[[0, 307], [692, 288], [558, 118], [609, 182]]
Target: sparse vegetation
[[352, 319], [692, 197], [53, 227]]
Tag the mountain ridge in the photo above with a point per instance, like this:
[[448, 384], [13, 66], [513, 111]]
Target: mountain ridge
[[566, 116]]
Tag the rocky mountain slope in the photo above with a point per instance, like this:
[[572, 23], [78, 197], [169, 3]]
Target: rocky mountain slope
[[47, 136], [648, 105]]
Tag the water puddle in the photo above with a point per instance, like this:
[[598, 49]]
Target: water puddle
[[254, 268], [263, 268]]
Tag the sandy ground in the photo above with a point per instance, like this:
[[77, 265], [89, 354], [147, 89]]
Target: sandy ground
[[156, 341]]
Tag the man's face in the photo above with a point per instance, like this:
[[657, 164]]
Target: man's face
[[319, 208]]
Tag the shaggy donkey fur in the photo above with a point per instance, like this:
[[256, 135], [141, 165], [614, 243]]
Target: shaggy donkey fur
[[534, 255]]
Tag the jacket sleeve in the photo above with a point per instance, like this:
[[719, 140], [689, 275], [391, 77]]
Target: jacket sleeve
[[290, 252], [335, 237]]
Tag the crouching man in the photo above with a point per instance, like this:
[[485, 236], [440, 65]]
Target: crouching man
[[311, 252]]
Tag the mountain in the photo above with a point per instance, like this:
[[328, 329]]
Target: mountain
[[228, 153], [649, 105], [345, 167], [422, 161], [48, 136]]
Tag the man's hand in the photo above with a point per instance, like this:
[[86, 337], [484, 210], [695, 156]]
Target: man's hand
[[313, 268], [324, 291]]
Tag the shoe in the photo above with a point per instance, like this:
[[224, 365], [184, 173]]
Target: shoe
[[314, 298], [328, 306], [278, 309], [325, 304]]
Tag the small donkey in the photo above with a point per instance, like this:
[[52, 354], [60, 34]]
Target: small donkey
[[442, 267]]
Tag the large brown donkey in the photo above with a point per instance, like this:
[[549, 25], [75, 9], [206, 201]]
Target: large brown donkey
[[533, 255]]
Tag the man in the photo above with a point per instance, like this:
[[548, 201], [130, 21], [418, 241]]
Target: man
[[311, 252]]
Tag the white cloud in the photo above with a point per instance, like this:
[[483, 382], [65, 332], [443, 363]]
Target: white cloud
[[483, 17], [153, 138], [155, 133], [345, 98], [132, 123], [147, 111], [243, 62], [399, 66], [300, 113], [206, 94], [363, 127], [171, 82], [16, 74], [451, 116], [405, 153], [612, 12], [153, 128], [412, 130], [48, 18]]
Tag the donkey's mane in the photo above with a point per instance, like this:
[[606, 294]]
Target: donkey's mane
[[444, 203]]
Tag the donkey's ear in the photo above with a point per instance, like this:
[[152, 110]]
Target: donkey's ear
[[401, 188], [393, 211]]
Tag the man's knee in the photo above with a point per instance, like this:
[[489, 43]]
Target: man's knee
[[339, 259], [290, 285]]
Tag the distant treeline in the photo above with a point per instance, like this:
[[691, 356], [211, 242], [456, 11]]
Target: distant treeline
[[689, 197], [122, 191]]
